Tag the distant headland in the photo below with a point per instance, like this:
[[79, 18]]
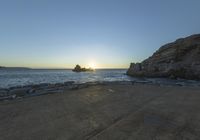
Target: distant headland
[[79, 69], [14, 68]]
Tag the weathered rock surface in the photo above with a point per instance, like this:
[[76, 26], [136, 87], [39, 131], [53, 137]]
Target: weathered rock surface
[[20, 92], [179, 59], [3, 92], [40, 89]]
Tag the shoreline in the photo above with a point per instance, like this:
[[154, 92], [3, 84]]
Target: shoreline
[[19, 92]]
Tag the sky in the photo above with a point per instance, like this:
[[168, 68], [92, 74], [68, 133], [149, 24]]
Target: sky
[[96, 33]]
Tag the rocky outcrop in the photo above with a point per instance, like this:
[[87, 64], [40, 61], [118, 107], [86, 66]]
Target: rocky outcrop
[[40, 89], [179, 59], [79, 69]]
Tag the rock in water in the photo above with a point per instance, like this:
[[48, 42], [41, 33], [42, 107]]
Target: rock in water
[[79, 69], [179, 59]]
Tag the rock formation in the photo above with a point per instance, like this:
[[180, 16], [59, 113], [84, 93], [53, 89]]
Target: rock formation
[[79, 69], [179, 59]]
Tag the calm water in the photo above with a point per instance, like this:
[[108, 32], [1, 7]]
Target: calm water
[[10, 78]]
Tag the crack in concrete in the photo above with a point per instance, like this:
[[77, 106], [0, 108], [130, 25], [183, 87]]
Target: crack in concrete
[[118, 120]]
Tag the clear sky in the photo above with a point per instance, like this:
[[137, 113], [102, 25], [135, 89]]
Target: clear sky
[[105, 33]]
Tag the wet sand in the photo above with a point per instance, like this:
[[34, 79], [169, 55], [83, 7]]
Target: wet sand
[[105, 112]]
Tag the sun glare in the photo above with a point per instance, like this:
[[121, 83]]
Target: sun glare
[[92, 65]]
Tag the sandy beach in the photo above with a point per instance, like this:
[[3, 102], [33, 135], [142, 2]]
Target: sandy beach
[[105, 112]]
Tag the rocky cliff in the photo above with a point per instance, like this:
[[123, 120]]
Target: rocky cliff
[[179, 59]]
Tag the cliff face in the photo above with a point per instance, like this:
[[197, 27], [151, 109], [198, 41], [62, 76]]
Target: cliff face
[[179, 59]]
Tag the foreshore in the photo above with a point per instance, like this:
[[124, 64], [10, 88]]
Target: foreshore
[[104, 111], [18, 92]]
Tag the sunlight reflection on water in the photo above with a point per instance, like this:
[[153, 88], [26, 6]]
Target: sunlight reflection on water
[[10, 78]]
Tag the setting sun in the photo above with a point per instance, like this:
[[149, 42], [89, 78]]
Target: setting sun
[[92, 65]]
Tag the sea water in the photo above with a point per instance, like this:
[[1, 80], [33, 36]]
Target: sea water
[[22, 77]]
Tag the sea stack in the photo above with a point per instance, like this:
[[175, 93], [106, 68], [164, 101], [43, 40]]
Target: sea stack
[[79, 69], [179, 59]]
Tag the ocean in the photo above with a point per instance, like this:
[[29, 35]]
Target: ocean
[[22, 77]]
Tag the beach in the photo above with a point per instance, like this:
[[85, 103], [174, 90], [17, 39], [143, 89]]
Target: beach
[[99, 70], [112, 111]]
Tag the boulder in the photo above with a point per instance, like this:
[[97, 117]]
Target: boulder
[[43, 85], [19, 92], [68, 83], [179, 59], [3, 92]]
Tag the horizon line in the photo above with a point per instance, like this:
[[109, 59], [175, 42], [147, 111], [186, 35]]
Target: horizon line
[[56, 68]]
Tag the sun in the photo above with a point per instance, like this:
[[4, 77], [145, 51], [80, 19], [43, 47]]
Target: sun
[[92, 65]]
